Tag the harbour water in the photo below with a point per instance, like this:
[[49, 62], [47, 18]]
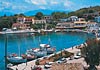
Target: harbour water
[[27, 41]]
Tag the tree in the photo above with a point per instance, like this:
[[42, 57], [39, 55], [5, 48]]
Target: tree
[[91, 53], [59, 15], [39, 15]]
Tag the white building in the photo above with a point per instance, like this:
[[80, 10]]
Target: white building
[[39, 21], [73, 18], [27, 20], [92, 26], [81, 23], [64, 25]]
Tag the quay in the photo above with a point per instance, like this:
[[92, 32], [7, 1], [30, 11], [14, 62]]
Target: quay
[[20, 31]]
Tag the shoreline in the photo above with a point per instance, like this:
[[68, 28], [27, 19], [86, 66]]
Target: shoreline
[[39, 31]]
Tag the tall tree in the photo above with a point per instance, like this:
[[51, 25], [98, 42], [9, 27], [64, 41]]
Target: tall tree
[[91, 53], [39, 15]]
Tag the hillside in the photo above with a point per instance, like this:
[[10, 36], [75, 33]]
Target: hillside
[[82, 11]]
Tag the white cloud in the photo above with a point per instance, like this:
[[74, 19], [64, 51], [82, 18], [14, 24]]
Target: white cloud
[[37, 2], [54, 2], [68, 3], [42, 7]]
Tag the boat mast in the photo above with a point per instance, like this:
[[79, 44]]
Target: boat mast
[[39, 41], [5, 51], [19, 49], [49, 40]]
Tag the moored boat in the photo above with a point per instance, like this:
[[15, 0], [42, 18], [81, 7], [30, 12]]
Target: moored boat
[[16, 59]]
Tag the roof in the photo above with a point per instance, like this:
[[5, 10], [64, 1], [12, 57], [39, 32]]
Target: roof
[[18, 24], [67, 66]]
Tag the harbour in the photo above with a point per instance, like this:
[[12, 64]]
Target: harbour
[[27, 42]]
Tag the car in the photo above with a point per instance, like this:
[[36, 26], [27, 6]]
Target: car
[[48, 65], [37, 68], [59, 61], [77, 57]]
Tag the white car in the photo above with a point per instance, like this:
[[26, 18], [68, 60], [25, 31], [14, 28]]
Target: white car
[[48, 65], [77, 57]]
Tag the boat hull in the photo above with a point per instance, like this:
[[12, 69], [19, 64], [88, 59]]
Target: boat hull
[[16, 60]]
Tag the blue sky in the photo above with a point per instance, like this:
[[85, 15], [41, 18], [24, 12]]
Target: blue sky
[[19, 6]]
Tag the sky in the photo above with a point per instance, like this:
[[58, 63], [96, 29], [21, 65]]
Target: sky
[[20, 6]]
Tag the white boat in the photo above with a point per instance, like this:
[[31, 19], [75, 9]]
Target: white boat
[[47, 48]]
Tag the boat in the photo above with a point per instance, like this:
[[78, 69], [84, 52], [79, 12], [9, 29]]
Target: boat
[[36, 52], [16, 59], [47, 48]]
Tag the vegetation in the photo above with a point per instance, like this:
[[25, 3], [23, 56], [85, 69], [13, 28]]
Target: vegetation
[[39, 15], [82, 11], [59, 15], [91, 53], [6, 22]]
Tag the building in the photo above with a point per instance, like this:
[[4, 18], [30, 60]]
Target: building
[[27, 20], [20, 26], [39, 21], [64, 25], [81, 23], [92, 26], [48, 18], [63, 20], [97, 19], [73, 18]]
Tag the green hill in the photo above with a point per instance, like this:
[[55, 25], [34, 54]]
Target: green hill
[[82, 11]]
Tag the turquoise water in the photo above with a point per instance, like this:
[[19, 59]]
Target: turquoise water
[[26, 41]]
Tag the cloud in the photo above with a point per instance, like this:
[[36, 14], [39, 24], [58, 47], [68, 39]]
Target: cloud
[[68, 3], [37, 2], [54, 2], [42, 7]]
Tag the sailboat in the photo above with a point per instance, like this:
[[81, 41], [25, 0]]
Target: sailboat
[[14, 59]]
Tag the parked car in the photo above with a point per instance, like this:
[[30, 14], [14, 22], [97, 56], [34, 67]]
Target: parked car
[[48, 65], [37, 68]]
